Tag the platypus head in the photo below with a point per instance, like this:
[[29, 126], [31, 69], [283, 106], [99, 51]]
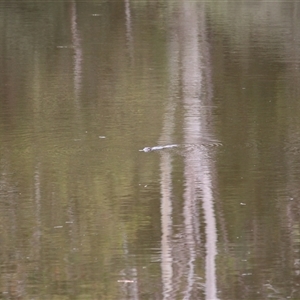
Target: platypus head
[[146, 149]]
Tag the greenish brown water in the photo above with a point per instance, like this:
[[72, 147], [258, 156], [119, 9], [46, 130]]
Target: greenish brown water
[[85, 85]]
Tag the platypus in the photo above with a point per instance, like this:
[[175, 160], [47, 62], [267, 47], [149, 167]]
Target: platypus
[[149, 149]]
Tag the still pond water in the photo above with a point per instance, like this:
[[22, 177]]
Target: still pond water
[[85, 85]]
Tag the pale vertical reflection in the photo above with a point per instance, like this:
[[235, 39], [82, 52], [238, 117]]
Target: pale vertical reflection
[[36, 238], [191, 79], [211, 238], [129, 282], [166, 224], [198, 166], [166, 171], [76, 42], [129, 37]]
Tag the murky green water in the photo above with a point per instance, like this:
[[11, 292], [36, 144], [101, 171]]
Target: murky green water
[[85, 85]]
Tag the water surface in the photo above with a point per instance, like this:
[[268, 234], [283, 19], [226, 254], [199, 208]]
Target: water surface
[[85, 85]]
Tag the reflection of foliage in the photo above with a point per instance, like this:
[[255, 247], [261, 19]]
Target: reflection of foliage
[[66, 194], [266, 23], [74, 207], [257, 175]]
